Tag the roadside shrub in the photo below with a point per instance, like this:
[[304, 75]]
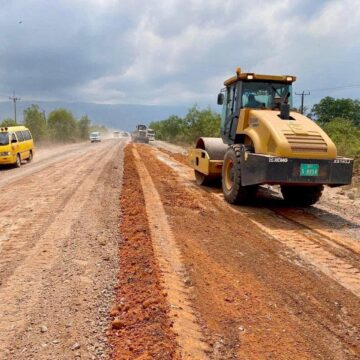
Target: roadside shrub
[[346, 137], [186, 130]]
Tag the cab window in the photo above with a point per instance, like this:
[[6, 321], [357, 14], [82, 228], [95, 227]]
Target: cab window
[[13, 138], [20, 136], [4, 138], [26, 134], [229, 103], [224, 107], [258, 94]]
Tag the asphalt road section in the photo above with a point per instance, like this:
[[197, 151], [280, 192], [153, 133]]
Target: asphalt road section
[[255, 282], [59, 233]]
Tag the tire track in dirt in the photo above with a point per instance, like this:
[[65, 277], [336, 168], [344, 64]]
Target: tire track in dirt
[[311, 251], [313, 224], [9, 175], [44, 191], [21, 290]]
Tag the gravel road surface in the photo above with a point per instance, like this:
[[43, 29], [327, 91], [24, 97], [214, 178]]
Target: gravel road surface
[[59, 235], [111, 251]]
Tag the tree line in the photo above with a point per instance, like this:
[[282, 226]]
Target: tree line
[[59, 126], [186, 130], [340, 119]]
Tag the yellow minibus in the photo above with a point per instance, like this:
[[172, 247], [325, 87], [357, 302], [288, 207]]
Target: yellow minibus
[[16, 144]]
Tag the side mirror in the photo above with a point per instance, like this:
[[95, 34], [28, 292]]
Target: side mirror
[[220, 99], [13, 141]]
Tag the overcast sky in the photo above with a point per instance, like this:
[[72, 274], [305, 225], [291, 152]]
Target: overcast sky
[[173, 52]]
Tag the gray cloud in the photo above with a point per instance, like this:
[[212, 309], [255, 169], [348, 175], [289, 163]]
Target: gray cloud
[[172, 52]]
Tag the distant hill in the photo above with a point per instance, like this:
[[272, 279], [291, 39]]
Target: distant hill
[[120, 116]]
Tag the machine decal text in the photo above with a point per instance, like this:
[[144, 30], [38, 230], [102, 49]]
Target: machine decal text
[[278, 160]]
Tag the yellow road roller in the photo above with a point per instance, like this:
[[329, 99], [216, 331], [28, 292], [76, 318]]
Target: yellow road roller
[[263, 141]]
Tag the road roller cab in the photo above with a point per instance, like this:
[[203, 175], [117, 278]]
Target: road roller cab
[[264, 141]]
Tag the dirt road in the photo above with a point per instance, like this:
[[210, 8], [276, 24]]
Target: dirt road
[[260, 282], [59, 237], [108, 253]]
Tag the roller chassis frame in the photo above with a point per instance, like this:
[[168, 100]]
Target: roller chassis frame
[[257, 169]]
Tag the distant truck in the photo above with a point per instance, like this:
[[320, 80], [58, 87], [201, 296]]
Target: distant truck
[[139, 135], [150, 133], [95, 137]]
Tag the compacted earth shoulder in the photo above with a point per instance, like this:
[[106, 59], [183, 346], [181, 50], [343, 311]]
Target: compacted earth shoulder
[[141, 327]]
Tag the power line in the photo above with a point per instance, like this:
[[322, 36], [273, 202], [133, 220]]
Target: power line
[[337, 87], [303, 94]]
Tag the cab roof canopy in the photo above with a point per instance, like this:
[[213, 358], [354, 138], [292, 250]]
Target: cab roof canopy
[[259, 77]]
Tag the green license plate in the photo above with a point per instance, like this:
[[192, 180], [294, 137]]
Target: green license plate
[[309, 169]]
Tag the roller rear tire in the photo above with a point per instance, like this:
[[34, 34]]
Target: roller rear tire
[[302, 195]]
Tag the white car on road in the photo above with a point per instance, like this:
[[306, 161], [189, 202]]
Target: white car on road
[[95, 136]]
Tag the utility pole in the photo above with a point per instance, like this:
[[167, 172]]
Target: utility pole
[[14, 99], [44, 115], [303, 94]]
